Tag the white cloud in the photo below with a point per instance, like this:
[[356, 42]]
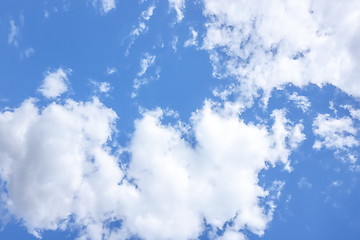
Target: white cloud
[[265, 45], [304, 183], [193, 40], [334, 133], [355, 113], [301, 102], [13, 34], [104, 5], [178, 6], [57, 166], [145, 63], [179, 186], [55, 83], [102, 87], [66, 173], [141, 28]]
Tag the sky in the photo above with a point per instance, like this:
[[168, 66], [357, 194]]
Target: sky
[[178, 119]]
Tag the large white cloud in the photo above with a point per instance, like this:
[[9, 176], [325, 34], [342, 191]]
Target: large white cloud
[[180, 186], [58, 170], [56, 164], [266, 44]]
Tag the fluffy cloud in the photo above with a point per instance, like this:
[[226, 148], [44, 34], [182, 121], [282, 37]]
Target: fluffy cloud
[[338, 134], [56, 165], [266, 44], [179, 186], [55, 83], [59, 170], [334, 133]]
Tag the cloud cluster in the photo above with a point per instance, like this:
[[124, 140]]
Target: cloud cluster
[[267, 44], [59, 171], [335, 133], [338, 134]]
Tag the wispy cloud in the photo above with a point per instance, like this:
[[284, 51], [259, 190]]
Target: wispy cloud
[[13, 34], [304, 183], [29, 52], [178, 6], [105, 6], [110, 70], [193, 40], [301, 102], [145, 63], [141, 28]]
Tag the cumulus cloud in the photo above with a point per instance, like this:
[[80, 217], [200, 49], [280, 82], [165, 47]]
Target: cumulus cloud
[[66, 175], [56, 165], [55, 83], [334, 133], [178, 6], [180, 186], [266, 45]]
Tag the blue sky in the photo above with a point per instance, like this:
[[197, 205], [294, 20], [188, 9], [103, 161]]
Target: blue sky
[[179, 119]]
